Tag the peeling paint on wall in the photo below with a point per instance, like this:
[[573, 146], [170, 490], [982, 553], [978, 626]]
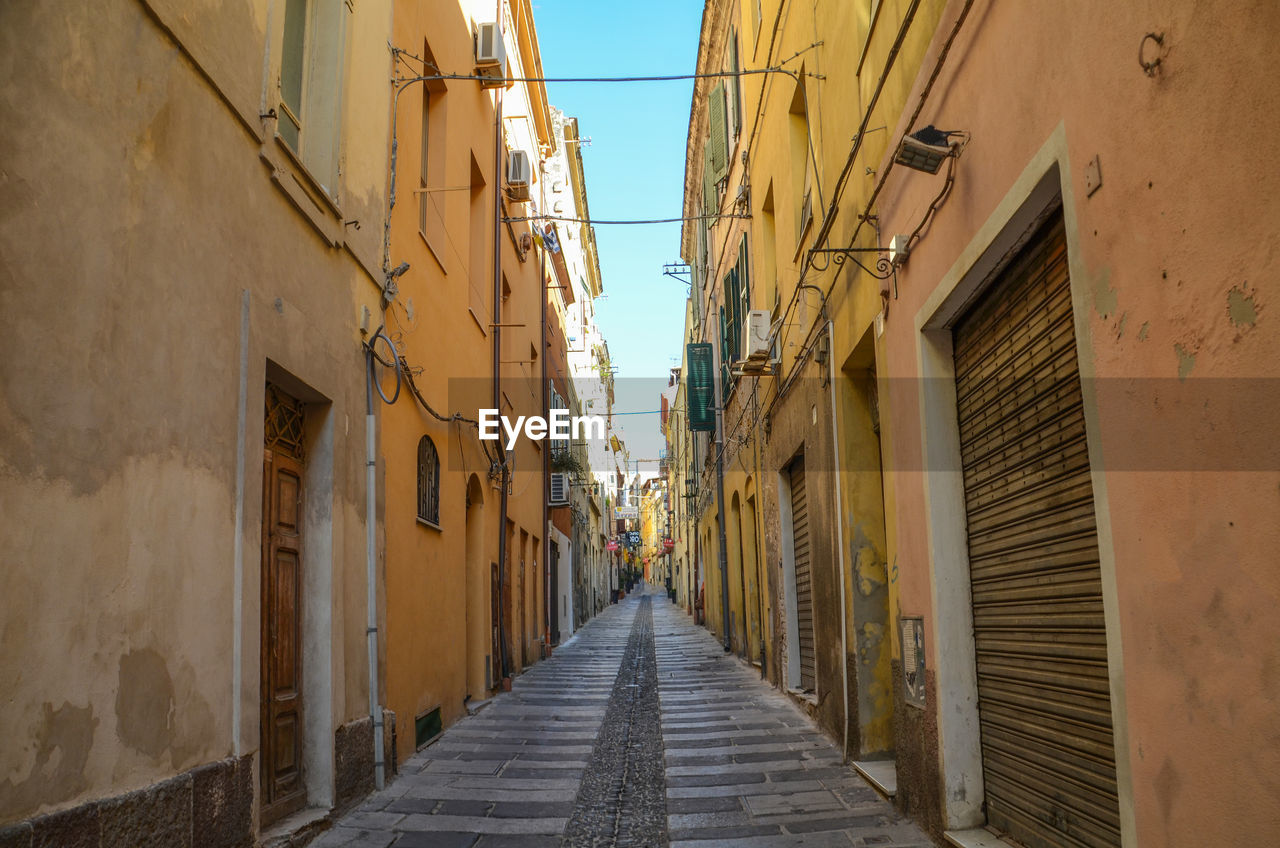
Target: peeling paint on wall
[[1144, 331], [53, 777], [1186, 361], [1105, 299], [1241, 308], [1124, 319], [871, 638], [144, 703]]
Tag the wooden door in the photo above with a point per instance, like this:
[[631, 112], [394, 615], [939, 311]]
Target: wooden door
[[553, 563], [495, 624], [283, 790]]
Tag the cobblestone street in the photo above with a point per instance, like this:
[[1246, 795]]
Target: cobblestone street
[[638, 732]]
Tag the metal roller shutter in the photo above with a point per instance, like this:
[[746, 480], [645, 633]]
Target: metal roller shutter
[[1043, 694], [804, 575]]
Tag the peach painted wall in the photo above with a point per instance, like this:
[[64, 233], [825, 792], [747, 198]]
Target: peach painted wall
[[1175, 270]]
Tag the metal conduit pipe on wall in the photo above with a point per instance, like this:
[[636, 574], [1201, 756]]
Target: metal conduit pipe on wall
[[844, 615], [497, 353], [371, 555]]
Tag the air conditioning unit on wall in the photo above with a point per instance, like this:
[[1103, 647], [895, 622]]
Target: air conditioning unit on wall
[[491, 55], [519, 175], [758, 341], [559, 489]]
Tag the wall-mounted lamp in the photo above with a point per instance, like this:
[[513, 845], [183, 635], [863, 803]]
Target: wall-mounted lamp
[[926, 149]]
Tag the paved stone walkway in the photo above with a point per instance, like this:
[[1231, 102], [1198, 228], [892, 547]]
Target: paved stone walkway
[[741, 765], [747, 769]]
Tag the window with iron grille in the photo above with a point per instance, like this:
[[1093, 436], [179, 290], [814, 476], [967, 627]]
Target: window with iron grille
[[428, 482], [559, 447]]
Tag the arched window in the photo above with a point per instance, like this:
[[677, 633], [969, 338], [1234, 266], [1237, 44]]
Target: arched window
[[428, 482]]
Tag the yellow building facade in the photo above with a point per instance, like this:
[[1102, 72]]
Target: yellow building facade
[[780, 160]]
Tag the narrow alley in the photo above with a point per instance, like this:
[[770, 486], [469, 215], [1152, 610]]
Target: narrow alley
[[709, 423], [599, 747]]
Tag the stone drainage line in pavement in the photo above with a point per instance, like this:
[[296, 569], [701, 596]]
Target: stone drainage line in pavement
[[622, 798]]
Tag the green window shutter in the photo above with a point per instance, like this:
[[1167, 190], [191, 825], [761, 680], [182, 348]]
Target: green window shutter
[[709, 200], [724, 337], [733, 290], [744, 281], [700, 380], [725, 381], [718, 142]]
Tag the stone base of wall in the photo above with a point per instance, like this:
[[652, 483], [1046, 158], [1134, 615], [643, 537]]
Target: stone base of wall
[[211, 806], [353, 758], [207, 807], [920, 789]]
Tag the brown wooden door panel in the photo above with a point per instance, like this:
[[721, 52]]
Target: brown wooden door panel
[[495, 619], [281, 756]]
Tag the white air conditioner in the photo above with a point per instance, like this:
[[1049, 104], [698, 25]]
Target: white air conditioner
[[559, 489], [491, 55], [519, 175], [758, 341]]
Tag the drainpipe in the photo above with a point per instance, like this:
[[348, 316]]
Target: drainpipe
[[761, 578], [844, 618], [371, 571], [503, 664], [724, 554], [543, 290]]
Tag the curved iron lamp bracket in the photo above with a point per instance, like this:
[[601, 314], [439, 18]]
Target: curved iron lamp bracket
[[883, 268]]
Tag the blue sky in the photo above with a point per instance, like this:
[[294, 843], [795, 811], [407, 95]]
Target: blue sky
[[635, 170], [635, 164]]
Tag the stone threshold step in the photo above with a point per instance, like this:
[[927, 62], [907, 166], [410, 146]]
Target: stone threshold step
[[881, 774]]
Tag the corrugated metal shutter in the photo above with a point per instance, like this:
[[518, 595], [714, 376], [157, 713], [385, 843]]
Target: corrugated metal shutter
[[1043, 694], [804, 575]]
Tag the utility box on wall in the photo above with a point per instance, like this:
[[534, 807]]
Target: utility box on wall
[[911, 631]]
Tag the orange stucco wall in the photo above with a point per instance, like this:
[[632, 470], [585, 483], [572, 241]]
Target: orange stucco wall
[[438, 578]]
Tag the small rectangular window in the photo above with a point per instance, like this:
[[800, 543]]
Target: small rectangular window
[[309, 114], [292, 64], [426, 727], [424, 169]]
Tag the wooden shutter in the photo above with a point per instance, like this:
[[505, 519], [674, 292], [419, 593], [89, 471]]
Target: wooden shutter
[[733, 293], [804, 576], [710, 203], [1043, 691], [718, 143], [725, 384], [701, 384]]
